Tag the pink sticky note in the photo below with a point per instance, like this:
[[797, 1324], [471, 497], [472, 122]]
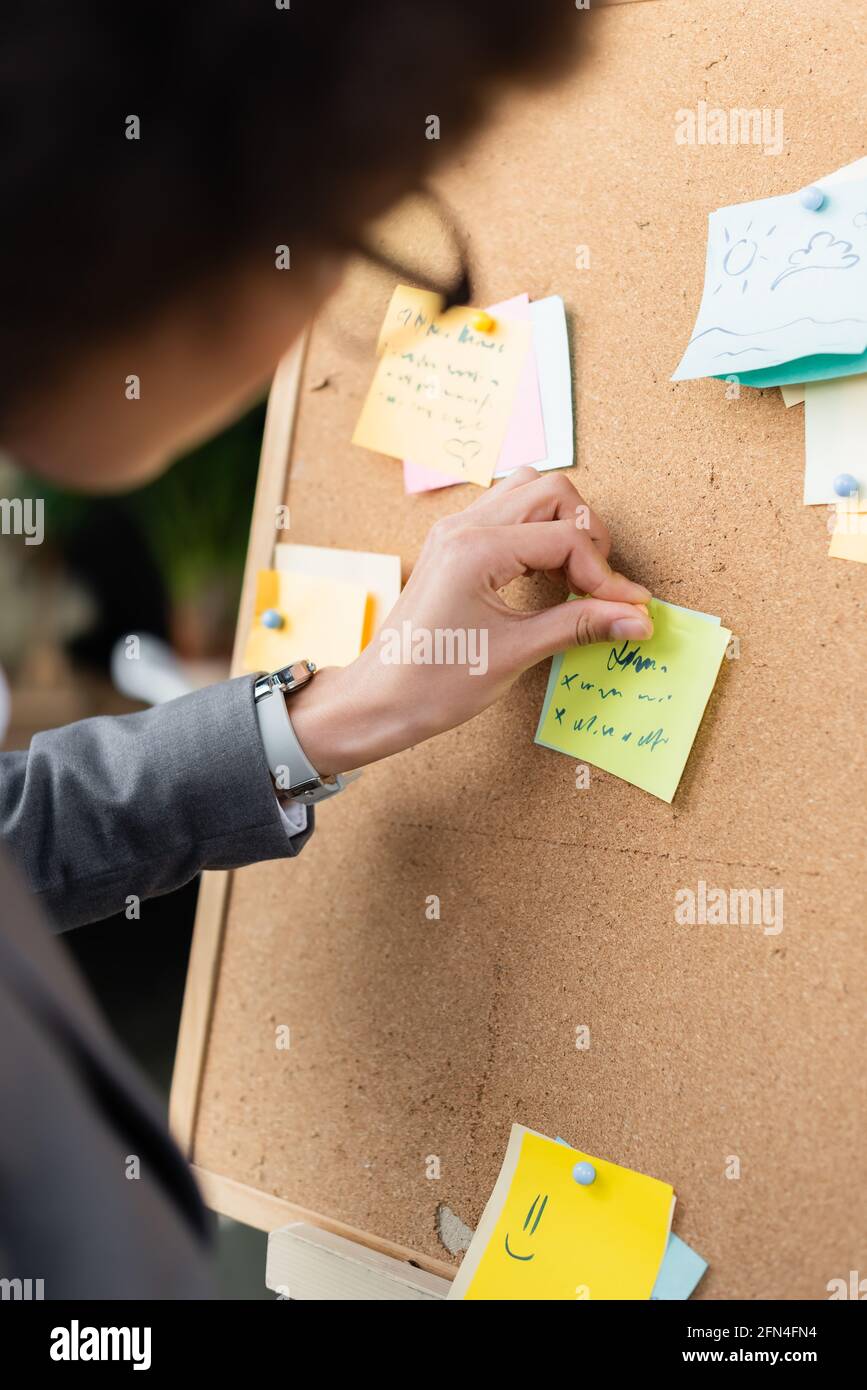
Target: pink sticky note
[[525, 437], [417, 478]]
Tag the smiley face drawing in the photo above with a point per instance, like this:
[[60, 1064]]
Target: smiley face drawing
[[527, 1220]]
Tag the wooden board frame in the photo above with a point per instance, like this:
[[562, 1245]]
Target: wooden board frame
[[245, 1204], [204, 960]]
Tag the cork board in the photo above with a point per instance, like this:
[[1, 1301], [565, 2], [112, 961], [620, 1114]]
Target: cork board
[[412, 1037]]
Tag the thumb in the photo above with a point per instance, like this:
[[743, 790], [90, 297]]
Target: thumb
[[581, 622]]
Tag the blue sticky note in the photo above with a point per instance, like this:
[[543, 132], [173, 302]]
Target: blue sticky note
[[681, 1267], [783, 284], [822, 367], [679, 1272]]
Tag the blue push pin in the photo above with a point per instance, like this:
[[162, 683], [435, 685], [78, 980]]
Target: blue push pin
[[812, 198], [271, 618], [845, 485], [584, 1173]]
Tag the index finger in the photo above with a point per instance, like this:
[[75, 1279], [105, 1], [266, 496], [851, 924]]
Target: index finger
[[510, 551], [529, 496]]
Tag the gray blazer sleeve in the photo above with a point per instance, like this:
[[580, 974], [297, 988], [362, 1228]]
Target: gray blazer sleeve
[[111, 807]]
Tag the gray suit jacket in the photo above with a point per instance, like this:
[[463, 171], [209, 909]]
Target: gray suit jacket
[[93, 814]]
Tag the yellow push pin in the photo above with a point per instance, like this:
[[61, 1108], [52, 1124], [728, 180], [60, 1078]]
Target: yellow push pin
[[482, 322]]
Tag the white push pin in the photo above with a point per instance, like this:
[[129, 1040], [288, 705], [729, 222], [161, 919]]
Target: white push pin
[[845, 485], [584, 1173], [812, 198]]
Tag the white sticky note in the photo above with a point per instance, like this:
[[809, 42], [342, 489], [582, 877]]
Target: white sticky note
[[551, 338], [794, 395], [835, 431], [782, 282], [856, 170]]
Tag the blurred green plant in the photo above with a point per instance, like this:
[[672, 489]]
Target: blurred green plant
[[196, 516]]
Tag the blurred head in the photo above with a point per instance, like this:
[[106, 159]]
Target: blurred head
[[158, 157]]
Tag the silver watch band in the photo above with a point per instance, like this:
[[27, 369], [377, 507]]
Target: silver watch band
[[294, 775]]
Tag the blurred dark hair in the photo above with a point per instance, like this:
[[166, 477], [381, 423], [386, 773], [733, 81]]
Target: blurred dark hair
[[259, 127]]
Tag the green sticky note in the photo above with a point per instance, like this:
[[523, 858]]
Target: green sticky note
[[822, 367], [633, 708]]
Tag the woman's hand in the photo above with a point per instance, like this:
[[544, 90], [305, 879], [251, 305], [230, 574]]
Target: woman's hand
[[406, 687]]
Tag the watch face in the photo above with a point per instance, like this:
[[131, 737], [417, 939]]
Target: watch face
[[296, 674]]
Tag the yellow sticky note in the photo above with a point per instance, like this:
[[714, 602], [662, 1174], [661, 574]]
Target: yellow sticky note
[[378, 574], [792, 395], [443, 391], [544, 1236], [633, 708], [849, 540], [323, 621]]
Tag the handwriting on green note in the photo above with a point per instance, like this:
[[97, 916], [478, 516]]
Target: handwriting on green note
[[633, 708]]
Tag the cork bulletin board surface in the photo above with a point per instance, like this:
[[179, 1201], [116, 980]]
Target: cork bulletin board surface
[[412, 1037]]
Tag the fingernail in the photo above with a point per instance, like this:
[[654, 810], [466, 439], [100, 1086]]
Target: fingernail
[[630, 627]]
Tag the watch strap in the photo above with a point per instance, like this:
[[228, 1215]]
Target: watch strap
[[294, 774]]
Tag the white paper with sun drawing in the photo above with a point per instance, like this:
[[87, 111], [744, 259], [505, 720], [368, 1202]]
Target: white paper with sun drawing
[[781, 282]]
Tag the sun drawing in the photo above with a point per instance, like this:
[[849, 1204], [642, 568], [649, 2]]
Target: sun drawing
[[741, 256]]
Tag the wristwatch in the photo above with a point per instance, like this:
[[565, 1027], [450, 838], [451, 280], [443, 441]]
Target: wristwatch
[[294, 775]]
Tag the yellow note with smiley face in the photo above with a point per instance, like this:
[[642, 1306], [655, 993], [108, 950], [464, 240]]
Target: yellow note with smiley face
[[544, 1236]]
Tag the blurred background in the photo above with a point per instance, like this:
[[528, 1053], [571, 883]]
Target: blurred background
[[164, 564]]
